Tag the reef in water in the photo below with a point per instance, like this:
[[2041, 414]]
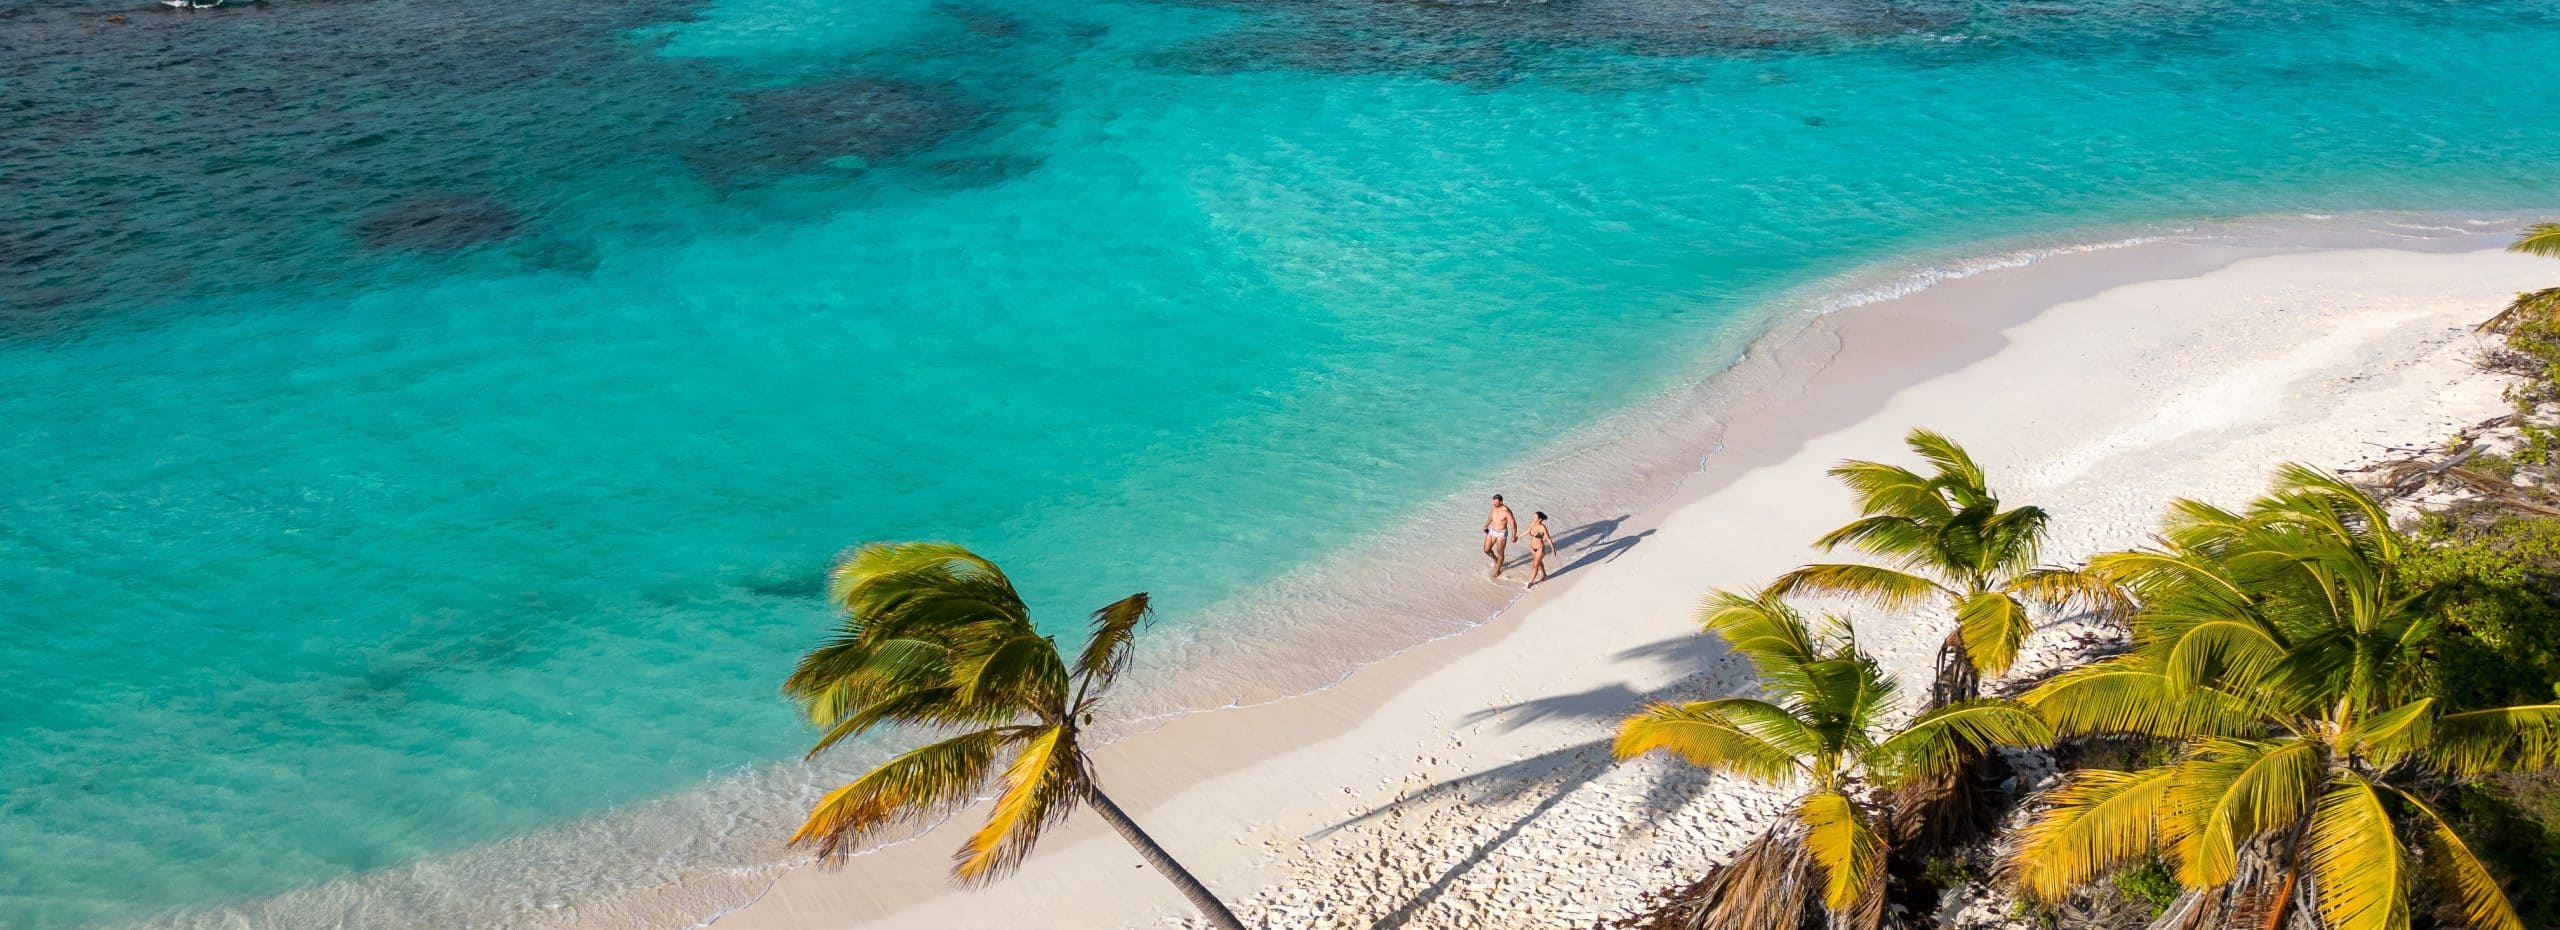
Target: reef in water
[[439, 223], [269, 146], [1491, 42], [847, 122]]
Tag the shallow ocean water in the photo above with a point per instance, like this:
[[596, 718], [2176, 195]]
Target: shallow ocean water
[[427, 424]]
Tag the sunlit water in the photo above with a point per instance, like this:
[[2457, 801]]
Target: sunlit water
[[424, 425]]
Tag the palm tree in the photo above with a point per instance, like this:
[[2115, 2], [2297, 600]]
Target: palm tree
[[2544, 240], [1822, 726], [1951, 544], [934, 637], [2276, 649]]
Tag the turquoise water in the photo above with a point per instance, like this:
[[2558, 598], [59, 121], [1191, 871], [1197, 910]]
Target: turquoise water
[[427, 422]]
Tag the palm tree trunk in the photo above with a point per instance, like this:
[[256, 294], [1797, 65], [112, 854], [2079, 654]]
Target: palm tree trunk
[[1155, 855], [1956, 680]]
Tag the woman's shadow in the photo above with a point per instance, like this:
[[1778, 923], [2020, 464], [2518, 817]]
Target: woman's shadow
[[1600, 542]]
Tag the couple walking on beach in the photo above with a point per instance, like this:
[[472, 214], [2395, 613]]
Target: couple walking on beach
[[1501, 527]]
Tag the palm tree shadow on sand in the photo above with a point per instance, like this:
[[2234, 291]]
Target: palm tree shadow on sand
[[1559, 773]]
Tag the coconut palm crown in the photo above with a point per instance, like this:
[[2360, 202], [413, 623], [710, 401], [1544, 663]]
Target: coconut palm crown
[[1947, 542], [1822, 725], [936, 639], [2273, 648]]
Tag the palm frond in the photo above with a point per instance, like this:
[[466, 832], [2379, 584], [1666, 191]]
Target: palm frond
[[1939, 741], [914, 787], [2469, 896], [1992, 626], [1723, 735], [1765, 631], [2126, 695], [1898, 538], [2231, 791], [1843, 846], [1115, 634], [1883, 587], [2539, 239], [1894, 491], [2095, 822], [2503, 739], [2357, 861], [2392, 735], [2219, 650], [2012, 540], [1042, 786], [1022, 670], [1770, 885], [2528, 306], [2071, 589], [1955, 466], [881, 576]]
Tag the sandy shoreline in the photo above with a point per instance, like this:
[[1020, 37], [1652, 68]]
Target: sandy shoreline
[[1463, 783]]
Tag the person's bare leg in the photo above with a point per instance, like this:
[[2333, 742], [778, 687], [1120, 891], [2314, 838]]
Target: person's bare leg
[[1537, 568], [1501, 553]]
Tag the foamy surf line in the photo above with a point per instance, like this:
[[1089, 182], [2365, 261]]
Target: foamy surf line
[[686, 859]]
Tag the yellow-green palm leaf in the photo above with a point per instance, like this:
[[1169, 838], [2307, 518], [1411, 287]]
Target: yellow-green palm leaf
[[1114, 638], [2128, 695], [1883, 587], [2470, 896], [1769, 634], [915, 787], [2502, 739], [1041, 787], [1993, 626], [2539, 239], [2094, 823], [2227, 792], [1936, 743], [1751, 739], [1841, 843], [2356, 857]]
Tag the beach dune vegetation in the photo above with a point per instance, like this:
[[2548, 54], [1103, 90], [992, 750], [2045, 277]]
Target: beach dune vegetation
[[2278, 651], [1820, 723], [935, 638]]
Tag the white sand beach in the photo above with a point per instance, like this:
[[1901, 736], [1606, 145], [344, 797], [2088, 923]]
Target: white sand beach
[[1466, 783]]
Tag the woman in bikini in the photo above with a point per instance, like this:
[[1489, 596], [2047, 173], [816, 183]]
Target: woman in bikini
[[1540, 543]]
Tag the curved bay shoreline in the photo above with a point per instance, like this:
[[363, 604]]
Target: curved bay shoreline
[[1457, 762], [1465, 782]]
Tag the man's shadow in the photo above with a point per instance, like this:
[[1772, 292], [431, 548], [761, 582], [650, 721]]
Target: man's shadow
[[1598, 539]]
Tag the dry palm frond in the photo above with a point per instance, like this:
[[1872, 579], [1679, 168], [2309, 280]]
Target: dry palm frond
[[2501, 492], [2528, 306], [1771, 885]]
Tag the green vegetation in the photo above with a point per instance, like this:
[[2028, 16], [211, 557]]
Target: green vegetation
[[2270, 646], [2149, 883], [935, 638]]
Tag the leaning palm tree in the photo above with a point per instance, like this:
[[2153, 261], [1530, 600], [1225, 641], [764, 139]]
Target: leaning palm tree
[[1822, 725], [2276, 650], [2544, 304], [934, 637], [1949, 544]]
